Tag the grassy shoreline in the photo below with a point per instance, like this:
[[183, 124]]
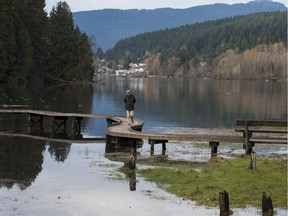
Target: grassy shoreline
[[202, 182]]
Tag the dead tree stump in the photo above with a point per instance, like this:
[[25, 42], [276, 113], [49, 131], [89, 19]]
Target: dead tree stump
[[253, 160], [267, 206], [224, 203]]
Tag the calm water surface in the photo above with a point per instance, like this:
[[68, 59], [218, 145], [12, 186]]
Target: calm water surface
[[46, 178]]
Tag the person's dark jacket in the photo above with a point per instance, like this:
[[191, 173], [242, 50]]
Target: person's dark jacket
[[129, 101]]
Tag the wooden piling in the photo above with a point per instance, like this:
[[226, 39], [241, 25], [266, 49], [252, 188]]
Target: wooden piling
[[246, 137], [76, 126], [213, 146], [267, 206], [164, 148], [35, 124], [154, 142], [152, 149], [224, 203], [253, 160]]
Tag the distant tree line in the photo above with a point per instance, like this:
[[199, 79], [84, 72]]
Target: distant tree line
[[250, 46], [36, 48]]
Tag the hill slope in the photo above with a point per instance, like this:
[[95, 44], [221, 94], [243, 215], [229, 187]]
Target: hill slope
[[241, 44], [110, 25]]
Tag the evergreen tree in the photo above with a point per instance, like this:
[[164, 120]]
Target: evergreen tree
[[7, 38], [70, 56], [15, 44], [24, 63], [28, 43], [35, 20], [85, 59]]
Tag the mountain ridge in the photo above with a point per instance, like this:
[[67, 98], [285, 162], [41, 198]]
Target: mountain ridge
[[108, 26]]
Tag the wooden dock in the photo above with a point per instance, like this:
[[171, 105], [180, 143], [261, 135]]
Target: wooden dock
[[58, 129], [53, 139], [118, 131], [52, 113]]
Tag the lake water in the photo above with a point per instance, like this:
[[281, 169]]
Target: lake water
[[46, 178]]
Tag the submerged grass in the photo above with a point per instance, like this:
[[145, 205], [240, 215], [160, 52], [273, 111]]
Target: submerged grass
[[203, 182]]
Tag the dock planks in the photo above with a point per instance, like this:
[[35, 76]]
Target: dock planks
[[118, 127], [52, 113], [122, 129]]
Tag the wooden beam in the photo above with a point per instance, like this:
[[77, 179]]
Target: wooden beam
[[269, 123]]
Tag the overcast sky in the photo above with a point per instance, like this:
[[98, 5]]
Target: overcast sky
[[84, 5]]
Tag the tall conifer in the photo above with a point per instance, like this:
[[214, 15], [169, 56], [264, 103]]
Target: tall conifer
[[67, 50]]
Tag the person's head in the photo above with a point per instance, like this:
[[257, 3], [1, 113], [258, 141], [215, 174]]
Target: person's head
[[128, 92]]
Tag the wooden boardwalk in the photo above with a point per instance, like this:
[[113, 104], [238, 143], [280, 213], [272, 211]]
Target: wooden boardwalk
[[52, 113], [120, 128], [58, 130], [53, 139], [117, 130], [123, 133]]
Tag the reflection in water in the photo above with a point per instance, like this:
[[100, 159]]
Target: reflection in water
[[131, 175], [124, 150], [59, 151], [163, 102], [21, 160], [160, 103]]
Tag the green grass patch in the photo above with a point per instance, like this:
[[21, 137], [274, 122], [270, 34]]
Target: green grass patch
[[203, 182], [99, 164]]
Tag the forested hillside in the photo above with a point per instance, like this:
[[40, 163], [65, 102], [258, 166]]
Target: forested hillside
[[109, 26], [35, 48], [251, 46]]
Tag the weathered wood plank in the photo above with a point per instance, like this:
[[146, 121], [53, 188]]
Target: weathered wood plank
[[269, 140], [48, 139], [266, 127], [124, 130], [269, 123], [118, 127], [52, 113], [262, 131]]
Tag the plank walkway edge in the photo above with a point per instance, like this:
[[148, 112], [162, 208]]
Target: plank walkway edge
[[53, 113], [51, 139], [122, 129], [118, 127]]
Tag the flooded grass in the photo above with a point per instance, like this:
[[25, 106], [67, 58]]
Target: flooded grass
[[202, 182]]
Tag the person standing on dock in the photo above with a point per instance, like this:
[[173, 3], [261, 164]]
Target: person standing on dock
[[129, 101]]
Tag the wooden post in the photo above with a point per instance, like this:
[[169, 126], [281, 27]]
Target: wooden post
[[76, 126], [246, 136], [253, 160], [224, 203], [152, 145], [267, 206], [213, 146], [152, 148], [35, 124], [109, 121], [163, 148]]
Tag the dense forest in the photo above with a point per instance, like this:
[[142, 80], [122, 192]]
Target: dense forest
[[250, 46], [37, 48]]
